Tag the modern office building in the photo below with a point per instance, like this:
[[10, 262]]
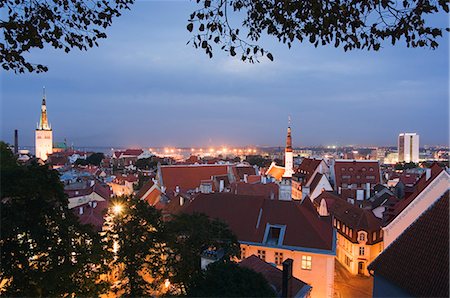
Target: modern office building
[[408, 147]]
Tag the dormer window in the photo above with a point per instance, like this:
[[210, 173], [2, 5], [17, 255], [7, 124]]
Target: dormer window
[[362, 236], [274, 234]]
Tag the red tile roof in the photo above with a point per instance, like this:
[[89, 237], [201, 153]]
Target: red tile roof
[[275, 171], [268, 190], [254, 179], [352, 216], [420, 185], [272, 274], [189, 177], [418, 260], [93, 216], [133, 152], [241, 213], [240, 172], [315, 182], [307, 167], [357, 171]]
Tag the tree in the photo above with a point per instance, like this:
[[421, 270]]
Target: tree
[[45, 251], [348, 24], [258, 160], [67, 24], [227, 279], [61, 24], [135, 228], [188, 236], [93, 159]]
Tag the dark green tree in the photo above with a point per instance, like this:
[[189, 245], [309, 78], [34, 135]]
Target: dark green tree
[[146, 163], [227, 279], [351, 25], [95, 158], [135, 229], [67, 24], [45, 251], [61, 24], [188, 236]]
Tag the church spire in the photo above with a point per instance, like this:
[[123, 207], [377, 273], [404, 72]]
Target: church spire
[[289, 138], [43, 121]]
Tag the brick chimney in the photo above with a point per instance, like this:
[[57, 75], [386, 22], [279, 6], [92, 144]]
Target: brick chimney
[[286, 284]]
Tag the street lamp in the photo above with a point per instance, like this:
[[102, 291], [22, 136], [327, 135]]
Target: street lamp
[[117, 209]]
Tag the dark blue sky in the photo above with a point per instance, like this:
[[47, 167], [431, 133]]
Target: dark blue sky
[[145, 87]]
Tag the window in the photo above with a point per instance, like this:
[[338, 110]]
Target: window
[[339, 225], [243, 253], [347, 261], [273, 236], [334, 221], [363, 169], [306, 262], [278, 258], [362, 237], [361, 251], [370, 177], [350, 169], [351, 233], [371, 169], [262, 254], [345, 177], [374, 236], [381, 234]]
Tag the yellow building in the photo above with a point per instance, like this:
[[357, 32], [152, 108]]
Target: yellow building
[[359, 234], [275, 230]]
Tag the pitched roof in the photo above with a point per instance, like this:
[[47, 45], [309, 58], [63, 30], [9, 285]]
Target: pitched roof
[[275, 171], [132, 152], [308, 167], [248, 216], [390, 214], [315, 182], [241, 171], [418, 260], [272, 274], [189, 177], [351, 215], [356, 172], [268, 190], [94, 216]]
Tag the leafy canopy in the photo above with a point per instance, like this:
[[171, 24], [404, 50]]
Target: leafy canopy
[[45, 251], [365, 24], [351, 25]]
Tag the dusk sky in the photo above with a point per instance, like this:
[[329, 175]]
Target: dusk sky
[[143, 86]]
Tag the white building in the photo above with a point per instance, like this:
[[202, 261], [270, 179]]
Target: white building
[[44, 134], [408, 147]]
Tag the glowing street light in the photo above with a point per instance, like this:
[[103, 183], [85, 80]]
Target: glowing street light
[[117, 209], [167, 283]]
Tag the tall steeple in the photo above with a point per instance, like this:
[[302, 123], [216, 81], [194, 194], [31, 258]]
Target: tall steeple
[[288, 154], [43, 121]]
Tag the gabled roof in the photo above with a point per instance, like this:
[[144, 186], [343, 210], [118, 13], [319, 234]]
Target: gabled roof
[[241, 171], [308, 167], [268, 190], [349, 214], [356, 172], [132, 152], [248, 217], [275, 171], [420, 185], [273, 275], [315, 182], [189, 177], [93, 216], [417, 261]]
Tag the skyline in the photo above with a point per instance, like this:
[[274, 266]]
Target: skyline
[[143, 89]]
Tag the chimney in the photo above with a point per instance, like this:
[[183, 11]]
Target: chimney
[[320, 168], [16, 141], [221, 185], [427, 174], [181, 201], [287, 279], [264, 179], [245, 178], [177, 189]]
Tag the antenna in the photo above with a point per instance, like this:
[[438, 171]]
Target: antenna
[[289, 120]]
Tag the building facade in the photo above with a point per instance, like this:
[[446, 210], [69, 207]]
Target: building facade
[[43, 134], [408, 147]]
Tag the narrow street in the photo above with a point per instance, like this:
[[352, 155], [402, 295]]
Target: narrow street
[[347, 285]]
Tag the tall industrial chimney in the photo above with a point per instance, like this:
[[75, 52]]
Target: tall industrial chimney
[[16, 141]]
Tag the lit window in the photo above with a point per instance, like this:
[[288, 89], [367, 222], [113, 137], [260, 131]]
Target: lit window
[[339, 225], [350, 169], [306, 262], [362, 237], [381, 233], [371, 169], [374, 236], [262, 254], [370, 177], [361, 251], [278, 258], [363, 169]]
